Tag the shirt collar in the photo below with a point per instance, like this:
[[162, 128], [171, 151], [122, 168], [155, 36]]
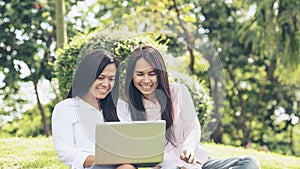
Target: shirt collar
[[149, 104], [79, 102]]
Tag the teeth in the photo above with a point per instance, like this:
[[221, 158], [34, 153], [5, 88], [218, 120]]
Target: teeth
[[146, 87], [102, 90]]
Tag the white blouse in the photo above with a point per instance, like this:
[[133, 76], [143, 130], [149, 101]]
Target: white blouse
[[186, 127], [73, 129]]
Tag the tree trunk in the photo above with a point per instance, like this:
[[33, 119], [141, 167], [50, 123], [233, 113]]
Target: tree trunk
[[242, 119], [292, 140], [44, 119], [218, 99], [188, 39], [61, 31], [217, 136]]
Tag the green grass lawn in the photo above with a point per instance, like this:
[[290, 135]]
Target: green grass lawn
[[40, 153], [267, 160]]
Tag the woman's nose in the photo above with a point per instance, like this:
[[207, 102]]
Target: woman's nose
[[105, 82], [146, 79]]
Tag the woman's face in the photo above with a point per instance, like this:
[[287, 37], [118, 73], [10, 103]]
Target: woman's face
[[144, 77], [104, 82]]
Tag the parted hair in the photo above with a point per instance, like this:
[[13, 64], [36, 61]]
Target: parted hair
[[89, 68], [162, 92]]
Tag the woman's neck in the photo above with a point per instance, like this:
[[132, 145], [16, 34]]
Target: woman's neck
[[93, 101], [151, 97]]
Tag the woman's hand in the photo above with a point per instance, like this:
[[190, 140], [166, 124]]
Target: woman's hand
[[189, 157], [89, 161]]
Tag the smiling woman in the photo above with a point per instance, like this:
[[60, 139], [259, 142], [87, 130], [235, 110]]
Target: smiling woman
[[151, 97], [101, 86], [92, 99], [145, 77]]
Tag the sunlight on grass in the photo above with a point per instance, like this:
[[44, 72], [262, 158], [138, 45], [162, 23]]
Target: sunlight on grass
[[28, 153], [40, 153], [267, 160]]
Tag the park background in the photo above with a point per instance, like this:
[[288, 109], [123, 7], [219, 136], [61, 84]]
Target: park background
[[257, 94]]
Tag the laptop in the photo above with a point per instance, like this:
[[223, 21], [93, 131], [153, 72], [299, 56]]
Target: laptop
[[138, 142]]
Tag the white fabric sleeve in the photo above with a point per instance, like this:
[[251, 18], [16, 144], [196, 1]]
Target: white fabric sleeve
[[63, 138], [170, 159], [123, 111], [191, 125]]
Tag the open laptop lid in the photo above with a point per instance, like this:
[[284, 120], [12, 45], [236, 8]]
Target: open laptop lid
[[138, 142]]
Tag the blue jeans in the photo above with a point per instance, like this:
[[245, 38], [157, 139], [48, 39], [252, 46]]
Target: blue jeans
[[229, 163], [104, 167], [232, 163], [224, 163]]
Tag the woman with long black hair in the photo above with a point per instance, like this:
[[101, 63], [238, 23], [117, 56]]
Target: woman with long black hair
[[92, 99], [151, 97]]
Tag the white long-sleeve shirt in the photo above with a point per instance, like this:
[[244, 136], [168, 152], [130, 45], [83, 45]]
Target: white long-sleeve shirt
[[73, 129], [186, 127]]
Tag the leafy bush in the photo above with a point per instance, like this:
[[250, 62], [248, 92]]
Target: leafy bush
[[122, 45], [28, 124]]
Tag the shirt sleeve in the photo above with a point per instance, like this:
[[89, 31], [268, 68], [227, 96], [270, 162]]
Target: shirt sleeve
[[64, 139], [123, 111], [191, 125]]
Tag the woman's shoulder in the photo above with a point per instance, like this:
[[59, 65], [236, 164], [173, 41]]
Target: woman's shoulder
[[66, 110], [121, 101], [65, 102], [64, 106], [123, 111], [122, 104], [177, 87]]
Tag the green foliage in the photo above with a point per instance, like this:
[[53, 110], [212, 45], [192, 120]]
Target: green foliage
[[27, 30], [26, 49], [122, 45], [257, 53], [25, 126], [274, 31], [254, 93], [28, 124]]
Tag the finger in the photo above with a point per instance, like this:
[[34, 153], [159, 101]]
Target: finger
[[195, 161], [191, 158], [198, 162], [187, 154], [182, 156]]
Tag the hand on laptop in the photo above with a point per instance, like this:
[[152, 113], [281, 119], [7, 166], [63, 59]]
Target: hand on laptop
[[89, 161], [189, 157]]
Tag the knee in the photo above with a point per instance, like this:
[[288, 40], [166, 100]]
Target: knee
[[126, 166], [252, 163]]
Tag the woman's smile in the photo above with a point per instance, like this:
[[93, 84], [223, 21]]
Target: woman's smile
[[144, 77]]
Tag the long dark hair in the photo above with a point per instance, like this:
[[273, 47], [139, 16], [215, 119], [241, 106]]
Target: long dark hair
[[162, 92], [90, 67]]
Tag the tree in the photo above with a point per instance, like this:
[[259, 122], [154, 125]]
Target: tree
[[255, 94], [278, 25], [61, 31], [27, 43]]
